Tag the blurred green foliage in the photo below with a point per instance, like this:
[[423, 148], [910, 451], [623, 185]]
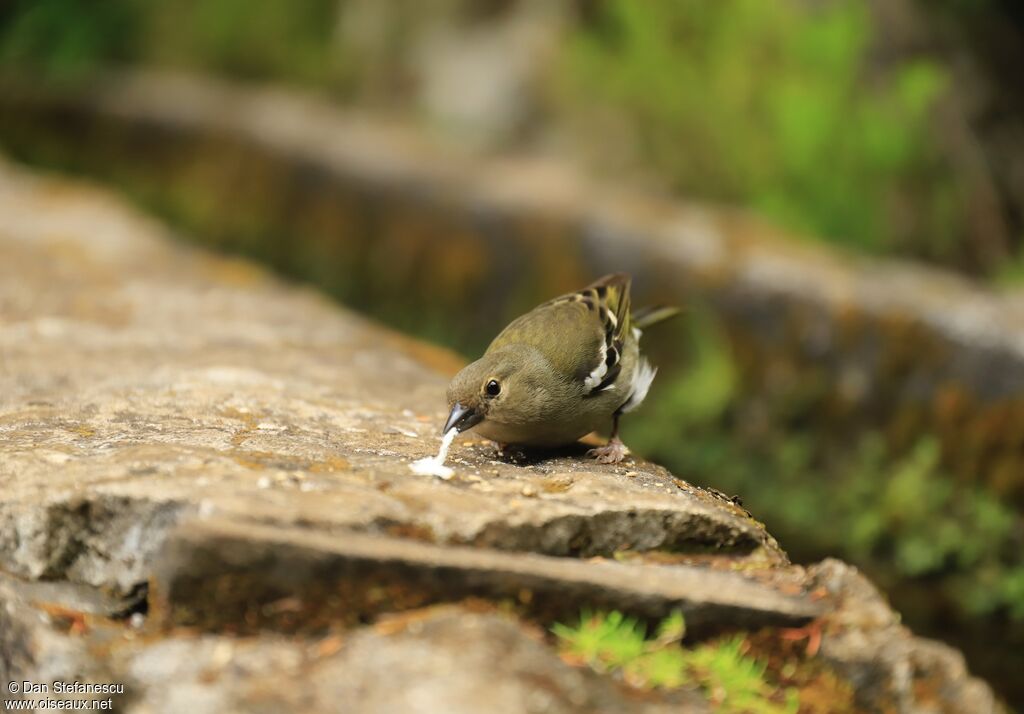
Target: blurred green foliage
[[898, 514], [771, 106], [272, 39], [67, 37], [765, 105]]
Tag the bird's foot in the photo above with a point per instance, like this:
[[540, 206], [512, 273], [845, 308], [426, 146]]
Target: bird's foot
[[508, 453], [611, 453]]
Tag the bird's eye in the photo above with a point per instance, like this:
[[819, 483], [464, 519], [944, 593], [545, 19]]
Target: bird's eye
[[493, 389]]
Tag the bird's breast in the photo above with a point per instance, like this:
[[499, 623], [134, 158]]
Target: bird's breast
[[559, 433]]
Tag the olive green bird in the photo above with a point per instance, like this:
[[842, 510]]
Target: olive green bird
[[569, 367]]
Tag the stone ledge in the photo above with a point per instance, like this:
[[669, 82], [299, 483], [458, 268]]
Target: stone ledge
[[225, 575], [148, 381]]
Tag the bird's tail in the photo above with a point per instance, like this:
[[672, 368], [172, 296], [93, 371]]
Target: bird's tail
[[652, 315]]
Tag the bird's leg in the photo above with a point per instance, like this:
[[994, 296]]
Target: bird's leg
[[614, 451]]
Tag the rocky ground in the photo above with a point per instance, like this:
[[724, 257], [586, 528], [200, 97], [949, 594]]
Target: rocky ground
[[205, 497]]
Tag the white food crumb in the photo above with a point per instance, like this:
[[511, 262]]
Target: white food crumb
[[434, 465]]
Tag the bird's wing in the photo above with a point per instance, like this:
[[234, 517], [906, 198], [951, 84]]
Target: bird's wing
[[581, 334]]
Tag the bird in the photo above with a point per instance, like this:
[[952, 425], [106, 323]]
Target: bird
[[566, 368]]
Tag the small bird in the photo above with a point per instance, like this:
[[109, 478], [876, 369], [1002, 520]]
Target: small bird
[[568, 367]]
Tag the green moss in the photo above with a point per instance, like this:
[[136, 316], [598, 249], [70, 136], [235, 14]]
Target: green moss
[[604, 641], [729, 678], [736, 682]]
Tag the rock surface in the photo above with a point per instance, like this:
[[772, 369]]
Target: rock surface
[[183, 425]]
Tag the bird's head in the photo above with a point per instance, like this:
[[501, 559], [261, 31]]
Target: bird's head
[[503, 386]]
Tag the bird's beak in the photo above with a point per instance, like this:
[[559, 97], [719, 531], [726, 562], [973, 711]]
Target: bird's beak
[[462, 418]]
